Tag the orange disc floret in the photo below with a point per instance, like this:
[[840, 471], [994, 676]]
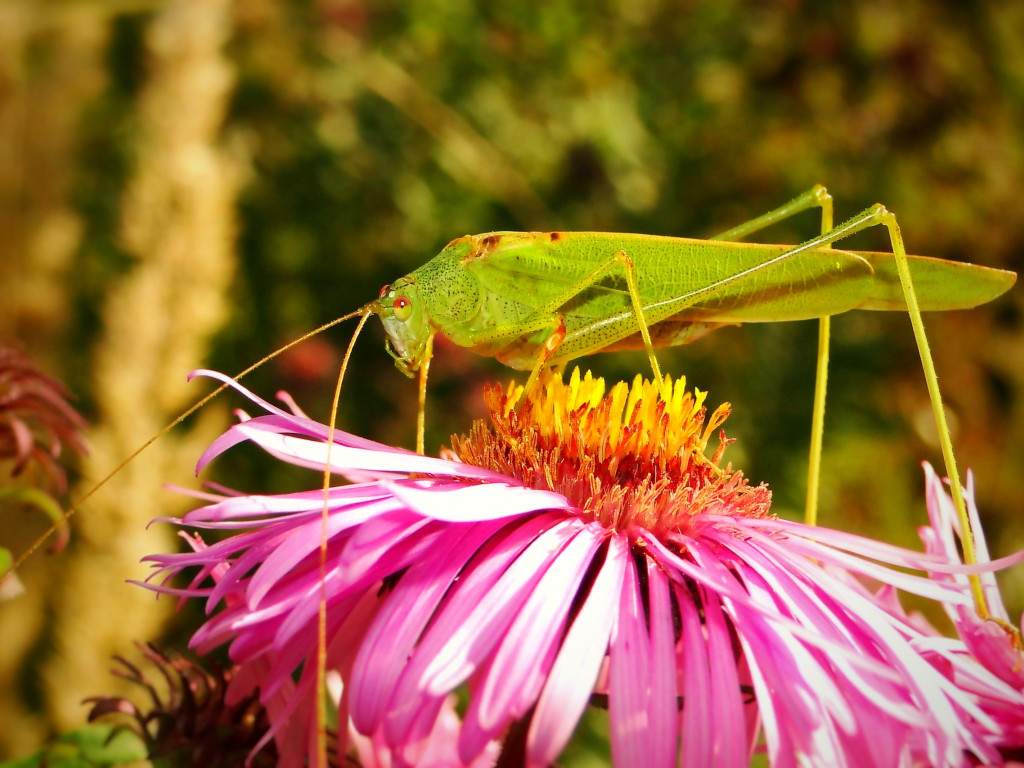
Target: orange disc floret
[[624, 457]]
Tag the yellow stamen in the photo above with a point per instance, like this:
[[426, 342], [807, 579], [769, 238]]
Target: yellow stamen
[[624, 456]]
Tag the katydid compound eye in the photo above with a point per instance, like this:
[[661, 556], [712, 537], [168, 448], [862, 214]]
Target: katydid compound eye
[[403, 308]]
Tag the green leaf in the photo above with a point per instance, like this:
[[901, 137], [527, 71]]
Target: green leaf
[[93, 746]]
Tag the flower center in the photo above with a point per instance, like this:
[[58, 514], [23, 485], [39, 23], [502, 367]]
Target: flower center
[[626, 458]]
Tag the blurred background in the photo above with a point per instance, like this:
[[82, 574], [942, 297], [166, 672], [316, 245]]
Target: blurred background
[[189, 183]]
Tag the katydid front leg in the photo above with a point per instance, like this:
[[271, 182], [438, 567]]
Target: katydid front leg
[[421, 414]]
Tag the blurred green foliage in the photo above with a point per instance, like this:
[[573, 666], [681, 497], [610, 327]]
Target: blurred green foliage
[[372, 133], [94, 746]]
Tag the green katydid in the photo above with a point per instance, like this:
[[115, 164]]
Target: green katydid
[[532, 299]]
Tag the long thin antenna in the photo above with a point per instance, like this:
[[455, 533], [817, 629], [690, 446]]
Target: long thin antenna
[[363, 311], [321, 630]]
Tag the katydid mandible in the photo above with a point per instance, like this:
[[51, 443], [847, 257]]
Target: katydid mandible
[[532, 299]]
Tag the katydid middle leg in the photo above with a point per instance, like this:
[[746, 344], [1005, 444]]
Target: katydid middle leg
[[816, 197]]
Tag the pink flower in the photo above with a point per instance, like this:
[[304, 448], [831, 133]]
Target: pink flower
[[992, 643], [584, 550], [35, 419]]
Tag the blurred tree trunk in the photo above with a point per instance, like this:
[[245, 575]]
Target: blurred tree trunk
[[51, 65], [177, 222], [178, 216]]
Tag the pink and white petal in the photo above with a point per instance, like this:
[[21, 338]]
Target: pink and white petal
[[727, 706], [313, 454], [679, 568], [467, 503], [809, 602], [414, 744], [831, 538], [883, 694], [787, 733], [574, 673], [471, 641], [438, 749], [697, 724], [751, 710], [370, 542], [398, 626], [240, 388], [296, 421], [929, 690], [349, 454], [341, 615], [512, 679], [803, 552], [629, 673], [873, 698], [663, 707], [306, 605], [721, 582], [301, 545], [229, 439], [803, 687], [474, 584], [244, 508], [799, 710]]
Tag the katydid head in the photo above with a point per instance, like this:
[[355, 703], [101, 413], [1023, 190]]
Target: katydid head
[[406, 323]]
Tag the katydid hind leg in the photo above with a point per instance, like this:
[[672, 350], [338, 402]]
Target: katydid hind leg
[[887, 219], [878, 215], [874, 216]]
